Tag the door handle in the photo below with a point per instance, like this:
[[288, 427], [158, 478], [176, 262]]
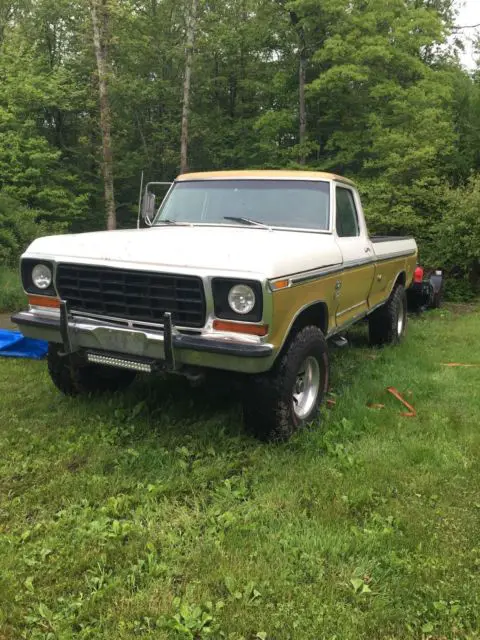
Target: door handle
[[367, 249]]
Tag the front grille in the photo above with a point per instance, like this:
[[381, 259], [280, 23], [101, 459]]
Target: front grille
[[134, 295]]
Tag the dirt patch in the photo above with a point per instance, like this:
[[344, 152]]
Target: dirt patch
[[6, 323], [461, 308]]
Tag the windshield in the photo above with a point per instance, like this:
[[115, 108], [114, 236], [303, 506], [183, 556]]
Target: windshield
[[301, 204]]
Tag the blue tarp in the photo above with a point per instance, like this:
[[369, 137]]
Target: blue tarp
[[14, 345]]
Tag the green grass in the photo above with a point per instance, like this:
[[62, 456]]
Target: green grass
[[12, 297], [152, 515]]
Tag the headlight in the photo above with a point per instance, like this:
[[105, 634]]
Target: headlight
[[41, 276], [241, 299], [237, 299]]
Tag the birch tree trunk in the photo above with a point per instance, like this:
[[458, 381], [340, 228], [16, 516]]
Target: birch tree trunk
[[100, 20], [191, 24]]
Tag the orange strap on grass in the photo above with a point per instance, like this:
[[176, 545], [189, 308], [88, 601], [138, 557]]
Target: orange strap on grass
[[458, 364], [411, 413]]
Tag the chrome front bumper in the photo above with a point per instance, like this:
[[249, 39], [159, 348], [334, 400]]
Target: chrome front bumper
[[169, 348]]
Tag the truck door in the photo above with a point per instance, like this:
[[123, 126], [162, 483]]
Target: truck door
[[355, 281]]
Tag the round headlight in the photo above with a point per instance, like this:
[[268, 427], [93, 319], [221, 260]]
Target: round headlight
[[241, 299], [41, 276]]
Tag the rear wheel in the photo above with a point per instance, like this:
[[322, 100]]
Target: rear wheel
[[388, 324], [73, 377], [281, 401]]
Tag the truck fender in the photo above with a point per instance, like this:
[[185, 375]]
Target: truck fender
[[311, 313]]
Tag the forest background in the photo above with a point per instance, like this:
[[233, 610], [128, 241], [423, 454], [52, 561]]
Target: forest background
[[94, 92]]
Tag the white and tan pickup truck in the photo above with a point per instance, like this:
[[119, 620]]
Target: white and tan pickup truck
[[241, 271]]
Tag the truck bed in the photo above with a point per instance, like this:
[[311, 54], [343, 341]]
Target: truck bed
[[386, 247], [375, 239]]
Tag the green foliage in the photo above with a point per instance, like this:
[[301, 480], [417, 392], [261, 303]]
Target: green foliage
[[390, 119], [194, 622], [152, 515], [459, 232], [12, 297], [387, 105], [40, 104], [18, 227]]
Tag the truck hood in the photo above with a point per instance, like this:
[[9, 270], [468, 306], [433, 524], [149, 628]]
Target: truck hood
[[195, 248]]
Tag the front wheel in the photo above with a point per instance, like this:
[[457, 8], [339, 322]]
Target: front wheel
[[281, 401], [73, 377], [388, 324]]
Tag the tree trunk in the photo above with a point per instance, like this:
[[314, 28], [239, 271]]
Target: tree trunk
[[191, 23], [100, 19], [302, 69], [302, 74]]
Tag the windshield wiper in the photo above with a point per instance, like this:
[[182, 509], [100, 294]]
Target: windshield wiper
[[167, 221], [249, 221]]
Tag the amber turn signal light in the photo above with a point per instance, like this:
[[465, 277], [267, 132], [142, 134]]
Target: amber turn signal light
[[280, 284], [241, 327], [44, 301]]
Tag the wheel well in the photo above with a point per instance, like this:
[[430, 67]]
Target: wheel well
[[316, 315], [401, 279]]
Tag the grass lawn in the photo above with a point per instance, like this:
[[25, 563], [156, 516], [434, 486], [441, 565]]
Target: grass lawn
[[152, 515]]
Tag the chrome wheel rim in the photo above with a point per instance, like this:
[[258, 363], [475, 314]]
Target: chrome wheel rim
[[305, 391], [401, 320]]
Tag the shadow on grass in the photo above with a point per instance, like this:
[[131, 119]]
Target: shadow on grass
[[172, 408]]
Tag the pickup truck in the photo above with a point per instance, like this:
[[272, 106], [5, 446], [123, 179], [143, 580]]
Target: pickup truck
[[247, 272]]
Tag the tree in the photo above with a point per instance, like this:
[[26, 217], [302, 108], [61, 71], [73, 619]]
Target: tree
[[33, 104], [299, 28], [386, 118], [100, 12], [191, 25], [366, 89]]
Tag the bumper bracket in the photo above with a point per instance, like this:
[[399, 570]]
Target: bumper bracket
[[168, 342], [64, 330]]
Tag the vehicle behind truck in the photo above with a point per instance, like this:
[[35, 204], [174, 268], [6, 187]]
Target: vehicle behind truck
[[247, 272]]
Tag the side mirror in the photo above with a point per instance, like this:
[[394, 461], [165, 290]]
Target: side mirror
[[148, 206]]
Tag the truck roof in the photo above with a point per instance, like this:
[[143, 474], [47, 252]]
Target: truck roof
[[279, 174]]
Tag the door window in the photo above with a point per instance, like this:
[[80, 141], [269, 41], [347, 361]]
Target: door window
[[347, 219]]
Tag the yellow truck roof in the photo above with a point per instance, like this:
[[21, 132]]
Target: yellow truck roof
[[292, 174]]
